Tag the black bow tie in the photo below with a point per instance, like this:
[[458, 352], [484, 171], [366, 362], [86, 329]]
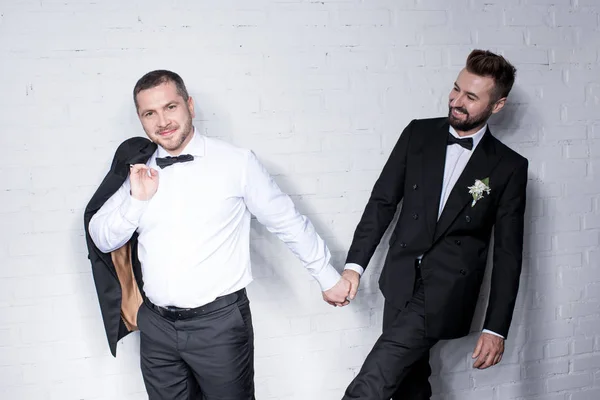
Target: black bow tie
[[467, 143], [166, 161]]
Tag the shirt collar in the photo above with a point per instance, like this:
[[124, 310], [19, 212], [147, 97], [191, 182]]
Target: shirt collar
[[477, 136], [195, 147]]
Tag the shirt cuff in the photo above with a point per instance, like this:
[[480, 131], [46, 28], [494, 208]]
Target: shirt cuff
[[492, 333], [327, 278], [132, 209], [355, 267]]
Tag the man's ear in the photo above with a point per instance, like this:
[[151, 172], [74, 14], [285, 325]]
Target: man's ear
[[190, 105], [499, 105]]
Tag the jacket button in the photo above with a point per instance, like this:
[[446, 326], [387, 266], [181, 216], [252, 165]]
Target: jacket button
[[457, 242], [403, 245], [415, 186], [463, 272], [468, 218], [415, 216]]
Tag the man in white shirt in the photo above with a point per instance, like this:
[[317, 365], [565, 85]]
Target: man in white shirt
[[182, 214], [457, 183]]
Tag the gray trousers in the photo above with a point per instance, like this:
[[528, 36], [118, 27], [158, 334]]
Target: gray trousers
[[207, 357]]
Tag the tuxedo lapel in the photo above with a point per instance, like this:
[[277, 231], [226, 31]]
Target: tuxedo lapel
[[434, 159], [480, 165]]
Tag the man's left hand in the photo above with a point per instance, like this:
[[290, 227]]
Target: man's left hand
[[488, 351]]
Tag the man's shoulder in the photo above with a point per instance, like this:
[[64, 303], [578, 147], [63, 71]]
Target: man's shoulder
[[437, 121], [508, 154], [424, 127], [224, 150]]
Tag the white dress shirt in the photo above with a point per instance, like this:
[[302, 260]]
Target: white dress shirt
[[194, 234], [457, 158]]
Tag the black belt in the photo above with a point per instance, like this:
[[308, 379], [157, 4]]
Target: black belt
[[175, 313]]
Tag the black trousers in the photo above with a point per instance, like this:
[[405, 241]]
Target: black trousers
[[209, 356], [398, 365]]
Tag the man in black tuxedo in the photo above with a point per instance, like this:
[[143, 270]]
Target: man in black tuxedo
[[457, 181]]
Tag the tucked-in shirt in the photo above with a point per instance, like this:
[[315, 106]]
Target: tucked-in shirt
[[194, 233]]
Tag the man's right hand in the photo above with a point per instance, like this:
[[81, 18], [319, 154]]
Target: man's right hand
[[354, 278], [144, 181], [338, 295]]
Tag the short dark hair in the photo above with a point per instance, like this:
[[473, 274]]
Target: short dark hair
[[158, 77], [486, 63]]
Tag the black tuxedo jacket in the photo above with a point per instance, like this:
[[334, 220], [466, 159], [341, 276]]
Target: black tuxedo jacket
[[455, 247], [117, 276]]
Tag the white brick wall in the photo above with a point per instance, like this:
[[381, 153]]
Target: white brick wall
[[320, 90]]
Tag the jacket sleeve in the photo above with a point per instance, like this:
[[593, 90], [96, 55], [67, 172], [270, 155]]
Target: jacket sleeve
[[508, 252], [383, 202]]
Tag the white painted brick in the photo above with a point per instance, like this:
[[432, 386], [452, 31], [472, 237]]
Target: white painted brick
[[549, 2], [350, 142], [528, 16], [534, 351], [537, 242], [418, 19], [569, 206], [573, 55], [544, 36], [583, 18], [582, 345], [566, 241], [445, 36], [489, 14], [469, 395], [285, 15], [586, 395], [566, 169], [501, 37], [591, 221], [575, 381], [527, 56], [553, 330], [586, 363], [519, 389], [353, 17], [543, 368], [590, 327], [579, 112], [386, 37], [556, 224], [573, 277], [451, 382], [496, 375], [577, 151]]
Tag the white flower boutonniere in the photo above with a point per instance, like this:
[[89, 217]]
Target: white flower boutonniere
[[480, 188]]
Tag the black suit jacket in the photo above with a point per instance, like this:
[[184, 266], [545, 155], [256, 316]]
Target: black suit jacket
[[111, 279], [455, 247]]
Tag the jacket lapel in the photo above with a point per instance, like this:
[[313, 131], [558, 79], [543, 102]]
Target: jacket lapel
[[480, 165], [434, 159]]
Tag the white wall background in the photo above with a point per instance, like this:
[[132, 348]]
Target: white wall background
[[320, 91]]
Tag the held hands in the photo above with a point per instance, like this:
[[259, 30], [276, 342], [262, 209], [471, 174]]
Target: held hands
[[343, 291], [488, 351], [144, 181]]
